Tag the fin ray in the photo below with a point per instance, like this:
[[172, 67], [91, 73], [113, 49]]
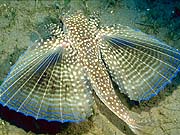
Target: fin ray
[[60, 91], [142, 65]]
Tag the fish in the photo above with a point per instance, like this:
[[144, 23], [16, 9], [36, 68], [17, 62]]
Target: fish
[[56, 77]]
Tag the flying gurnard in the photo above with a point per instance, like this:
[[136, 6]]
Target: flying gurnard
[[56, 77]]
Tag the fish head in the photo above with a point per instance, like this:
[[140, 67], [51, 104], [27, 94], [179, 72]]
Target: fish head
[[78, 26]]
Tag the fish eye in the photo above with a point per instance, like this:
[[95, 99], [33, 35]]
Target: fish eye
[[62, 26]]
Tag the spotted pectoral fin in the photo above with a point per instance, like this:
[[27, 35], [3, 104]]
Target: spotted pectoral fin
[[48, 85], [140, 65]]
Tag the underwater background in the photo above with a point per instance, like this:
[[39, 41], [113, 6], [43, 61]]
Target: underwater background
[[20, 23]]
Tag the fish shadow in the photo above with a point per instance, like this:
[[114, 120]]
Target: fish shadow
[[29, 124]]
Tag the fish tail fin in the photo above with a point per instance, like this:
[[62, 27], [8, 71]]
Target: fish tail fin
[[140, 125]]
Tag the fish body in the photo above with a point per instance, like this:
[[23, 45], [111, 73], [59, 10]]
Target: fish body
[[55, 77]]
